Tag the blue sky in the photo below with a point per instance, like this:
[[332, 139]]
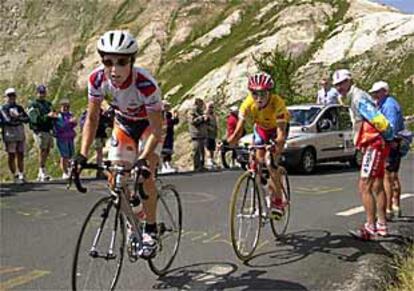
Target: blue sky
[[406, 6]]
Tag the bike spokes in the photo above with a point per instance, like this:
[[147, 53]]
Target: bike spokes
[[279, 226], [169, 217], [100, 248], [245, 216]]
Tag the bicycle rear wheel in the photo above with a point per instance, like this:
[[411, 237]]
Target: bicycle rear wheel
[[169, 224], [245, 216], [99, 250], [279, 226]]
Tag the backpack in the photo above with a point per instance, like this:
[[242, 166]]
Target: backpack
[[38, 116], [33, 112]]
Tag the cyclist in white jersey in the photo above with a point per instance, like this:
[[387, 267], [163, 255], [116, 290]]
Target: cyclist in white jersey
[[136, 99]]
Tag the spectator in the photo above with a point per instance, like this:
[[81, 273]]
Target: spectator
[[12, 118], [106, 120], [389, 106], [231, 120], [327, 94], [171, 119], [212, 129], [65, 124], [368, 125], [198, 133], [231, 123], [41, 115]]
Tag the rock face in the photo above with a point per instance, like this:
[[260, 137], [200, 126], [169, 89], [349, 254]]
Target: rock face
[[207, 48], [295, 28], [371, 30], [30, 31]]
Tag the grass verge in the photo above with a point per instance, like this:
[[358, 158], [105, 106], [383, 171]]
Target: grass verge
[[405, 273]]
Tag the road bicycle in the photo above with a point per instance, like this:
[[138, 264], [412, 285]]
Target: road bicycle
[[102, 241], [250, 205]]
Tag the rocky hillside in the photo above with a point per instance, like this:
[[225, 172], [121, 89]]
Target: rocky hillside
[[206, 48]]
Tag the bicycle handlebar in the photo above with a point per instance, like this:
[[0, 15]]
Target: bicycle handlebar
[[272, 162], [75, 176]]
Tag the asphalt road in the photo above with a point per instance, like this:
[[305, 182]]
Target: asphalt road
[[40, 224]]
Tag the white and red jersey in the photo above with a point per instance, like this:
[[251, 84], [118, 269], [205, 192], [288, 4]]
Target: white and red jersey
[[138, 95]]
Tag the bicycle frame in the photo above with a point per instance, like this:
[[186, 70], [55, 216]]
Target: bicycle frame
[[257, 170], [120, 199]]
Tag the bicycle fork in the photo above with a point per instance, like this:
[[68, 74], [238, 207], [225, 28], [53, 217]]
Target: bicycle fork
[[94, 250]]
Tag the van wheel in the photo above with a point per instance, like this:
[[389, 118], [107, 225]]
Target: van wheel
[[308, 161]]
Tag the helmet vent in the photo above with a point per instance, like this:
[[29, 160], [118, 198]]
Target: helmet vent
[[111, 38], [121, 39], [130, 44]]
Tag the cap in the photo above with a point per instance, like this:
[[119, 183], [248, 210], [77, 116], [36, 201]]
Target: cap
[[378, 86], [9, 91], [64, 101], [340, 76], [234, 108], [41, 89]]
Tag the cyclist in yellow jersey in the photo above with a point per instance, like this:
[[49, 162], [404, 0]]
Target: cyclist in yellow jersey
[[270, 117]]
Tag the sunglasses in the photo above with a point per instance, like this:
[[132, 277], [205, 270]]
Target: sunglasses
[[121, 62], [260, 94]]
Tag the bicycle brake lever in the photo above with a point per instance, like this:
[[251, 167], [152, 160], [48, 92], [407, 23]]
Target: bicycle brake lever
[[74, 178]]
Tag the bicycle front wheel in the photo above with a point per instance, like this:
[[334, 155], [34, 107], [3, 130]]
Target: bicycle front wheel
[[99, 250], [245, 216], [169, 224], [279, 226]]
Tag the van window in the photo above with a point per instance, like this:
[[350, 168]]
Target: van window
[[345, 122], [331, 115], [305, 116]]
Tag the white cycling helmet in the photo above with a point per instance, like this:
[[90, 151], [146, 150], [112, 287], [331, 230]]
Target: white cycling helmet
[[117, 42]]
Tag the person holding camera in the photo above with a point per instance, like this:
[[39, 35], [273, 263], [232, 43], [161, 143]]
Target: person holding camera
[[12, 118]]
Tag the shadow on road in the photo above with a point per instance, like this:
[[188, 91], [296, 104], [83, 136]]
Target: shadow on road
[[220, 276], [298, 245], [11, 189], [7, 190], [403, 218], [327, 169]]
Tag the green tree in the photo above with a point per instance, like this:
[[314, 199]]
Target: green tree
[[281, 68]]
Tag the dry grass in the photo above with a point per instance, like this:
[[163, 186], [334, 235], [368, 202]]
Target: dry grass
[[405, 275]]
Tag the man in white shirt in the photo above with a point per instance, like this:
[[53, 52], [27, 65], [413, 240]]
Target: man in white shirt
[[327, 94]]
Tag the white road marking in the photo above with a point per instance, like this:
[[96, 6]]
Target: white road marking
[[359, 209], [213, 274]]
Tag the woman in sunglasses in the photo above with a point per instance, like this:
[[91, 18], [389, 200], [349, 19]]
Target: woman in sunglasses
[[270, 117], [136, 99]]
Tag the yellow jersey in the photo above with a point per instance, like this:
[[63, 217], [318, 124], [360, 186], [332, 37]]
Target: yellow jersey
[[267, 117]]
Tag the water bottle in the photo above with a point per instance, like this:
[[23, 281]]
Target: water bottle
[[137, 207]]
